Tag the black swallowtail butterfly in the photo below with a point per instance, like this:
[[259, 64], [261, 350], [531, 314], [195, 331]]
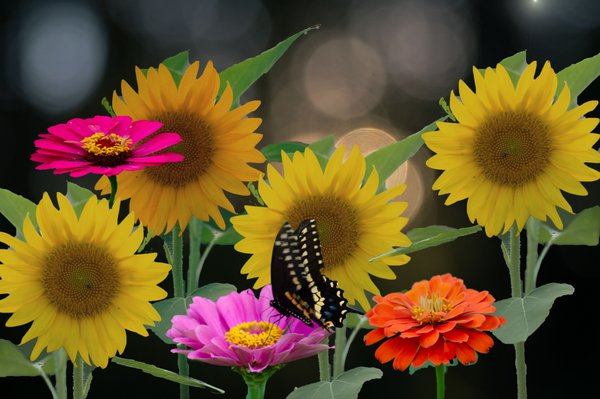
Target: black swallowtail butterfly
[[299, 288]]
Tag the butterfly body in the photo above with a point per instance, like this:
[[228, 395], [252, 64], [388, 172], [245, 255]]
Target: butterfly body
[[299, 288]]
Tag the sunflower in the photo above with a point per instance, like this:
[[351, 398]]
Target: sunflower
[[217, 145], [513, 149], [79, 281], [354, 223]]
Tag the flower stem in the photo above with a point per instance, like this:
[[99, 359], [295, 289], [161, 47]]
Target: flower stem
[[324, 363], [521, 370], [176, 258], [514, 268], [256, 382], [533, 230], [440, 380], [338, 354], [61, 374], [184, 370], [113, 190], [362, 320], [78, 385]]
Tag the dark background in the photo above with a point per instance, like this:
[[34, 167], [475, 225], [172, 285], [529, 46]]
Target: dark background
[[377, 64]]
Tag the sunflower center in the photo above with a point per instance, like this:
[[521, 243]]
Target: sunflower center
[[513, 148], [80, 279], [431, 309], [337, 224], [106, 149], [197, 146], [254, 334]]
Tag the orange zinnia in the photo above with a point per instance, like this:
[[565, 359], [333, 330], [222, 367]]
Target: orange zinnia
[[436, 320]]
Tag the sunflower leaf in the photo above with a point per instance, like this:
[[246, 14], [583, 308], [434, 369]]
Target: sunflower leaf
[[389, 158], [581, 229], [14, 362], [178, 306], [345, 386], [273, 151], [454, 362], [78, 196], [525, 315], [579, 76], [15, 207], [177, 65], [515, 64], [165, 374], [241, 76], [430, 236], [323, 148]]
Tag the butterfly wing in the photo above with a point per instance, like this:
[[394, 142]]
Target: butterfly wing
[[328, 306], [287, 280]]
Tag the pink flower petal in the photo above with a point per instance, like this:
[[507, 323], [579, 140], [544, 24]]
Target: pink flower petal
[[157, 143]]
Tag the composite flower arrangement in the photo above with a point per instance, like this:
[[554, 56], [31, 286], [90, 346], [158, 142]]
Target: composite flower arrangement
[[178, 159]]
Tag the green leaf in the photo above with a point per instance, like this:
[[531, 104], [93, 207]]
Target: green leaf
[[178, 306], [273, 151], [14, 362], [580, 229], [346, 386], [15, 207], [446, 108], [241, 76], [430, 236], [78, 196], [387, 159], [177, 65], [525, 315], [515, 64], [323, 149], [209, 231], [165, 374], [106, 104], [454, 362], [579, 76]]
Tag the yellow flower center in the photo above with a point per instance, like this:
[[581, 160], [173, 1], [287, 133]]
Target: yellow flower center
[[337, 224], [106, 149], [254, 334], [80, 279], [197, 146], [431, 309], [512, 148]]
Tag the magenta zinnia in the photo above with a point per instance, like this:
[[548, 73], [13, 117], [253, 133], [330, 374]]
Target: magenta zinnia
[[242, 331], [103, 145]]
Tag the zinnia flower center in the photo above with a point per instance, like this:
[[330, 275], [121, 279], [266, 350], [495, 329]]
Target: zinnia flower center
[[254, 334], [337, 224], [431, 309], [80, 279], [512, 148], [197, 146], [106, 149]]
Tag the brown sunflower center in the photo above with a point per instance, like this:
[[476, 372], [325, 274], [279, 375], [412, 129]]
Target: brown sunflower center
[[512, 148], [197, 146], [106, 149], [337, 224], [80, 279]]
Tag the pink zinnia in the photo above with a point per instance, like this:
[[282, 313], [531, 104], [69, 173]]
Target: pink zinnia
[[243, 331], [103, 145]]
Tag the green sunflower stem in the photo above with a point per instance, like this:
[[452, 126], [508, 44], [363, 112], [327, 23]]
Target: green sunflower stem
[[184, 370], [338, 354], [533, 231], [256, 382], [113, 190], [323, 357], [174, 250], [79, 371], [440, 379], [516, 287], [61, 374]]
